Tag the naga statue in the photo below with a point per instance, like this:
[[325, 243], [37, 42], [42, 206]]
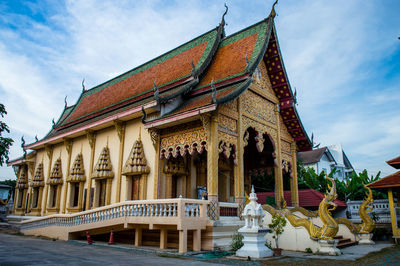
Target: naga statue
[[330, 226], [365, 208]]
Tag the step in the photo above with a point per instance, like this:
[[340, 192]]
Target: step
[[338, 237], [347, 242]]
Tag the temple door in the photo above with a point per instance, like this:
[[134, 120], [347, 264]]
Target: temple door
[[174, 186], [135, 188]]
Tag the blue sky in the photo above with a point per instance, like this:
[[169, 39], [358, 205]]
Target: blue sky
[[343, 57]]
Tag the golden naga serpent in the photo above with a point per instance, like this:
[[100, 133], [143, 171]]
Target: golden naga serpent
[[330, 226], [365, 208]]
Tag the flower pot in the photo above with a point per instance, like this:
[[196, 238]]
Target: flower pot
[[277, 252]]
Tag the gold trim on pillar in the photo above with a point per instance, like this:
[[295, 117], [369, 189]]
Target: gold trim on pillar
[[120, 128], [91, 136], [212, 168], [278, 173], [49, 152], [155, 138], [68, 147], [295, 185]]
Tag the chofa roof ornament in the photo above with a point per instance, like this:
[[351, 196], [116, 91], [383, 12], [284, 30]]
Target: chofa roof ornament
[[223, 16], [273, 13]]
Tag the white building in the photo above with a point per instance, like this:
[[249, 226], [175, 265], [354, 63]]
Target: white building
[[326, 159]]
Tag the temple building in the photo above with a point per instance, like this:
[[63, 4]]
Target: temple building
[[198, 124]]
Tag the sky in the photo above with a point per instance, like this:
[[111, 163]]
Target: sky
[[343, 58]]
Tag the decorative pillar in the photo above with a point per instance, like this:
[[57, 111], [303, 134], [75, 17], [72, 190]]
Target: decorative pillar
[[392, 212], [108, 191], [168, 185], [49, 152], [120, 128], [155, 138], [91, 136], [239, 166], [212, 167], [143, 185], [278, 173], [68, 147], [293, 182]]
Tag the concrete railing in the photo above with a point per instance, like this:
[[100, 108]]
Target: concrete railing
[[181, 212], [381, 210]]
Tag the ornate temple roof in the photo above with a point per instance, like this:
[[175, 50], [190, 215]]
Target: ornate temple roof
[[395, 162], [210, 70], [390, 181]]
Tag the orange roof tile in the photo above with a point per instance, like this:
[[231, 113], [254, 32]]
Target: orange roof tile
[[390, 181]]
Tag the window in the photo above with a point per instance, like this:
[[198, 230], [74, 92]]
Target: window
[[35, 197], [20, 197], [75, 191]]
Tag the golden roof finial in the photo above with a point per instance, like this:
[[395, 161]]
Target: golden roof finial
[[140, 134], [273, 13], [223, 16], [81, 147], [107, 142]]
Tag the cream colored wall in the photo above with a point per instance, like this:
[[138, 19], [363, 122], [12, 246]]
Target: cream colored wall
[[131, 135]]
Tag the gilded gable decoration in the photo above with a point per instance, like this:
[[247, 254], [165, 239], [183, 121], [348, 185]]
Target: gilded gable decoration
[[136, 163], [56, 176], [22, 182], [103, 167], [184, 142], [78, 171], [38, 178]]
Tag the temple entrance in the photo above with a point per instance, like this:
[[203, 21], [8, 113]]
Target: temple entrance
[[259, 162], [177, 178], [225, 179]]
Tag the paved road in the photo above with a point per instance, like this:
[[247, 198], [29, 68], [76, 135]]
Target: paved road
[[19, 250]]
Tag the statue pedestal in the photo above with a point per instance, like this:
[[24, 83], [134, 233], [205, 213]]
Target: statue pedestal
[[254, 243], [365, 239], [328, 247]]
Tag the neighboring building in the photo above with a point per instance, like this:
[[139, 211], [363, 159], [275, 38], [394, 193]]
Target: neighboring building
[[197, 121], [326, 159]]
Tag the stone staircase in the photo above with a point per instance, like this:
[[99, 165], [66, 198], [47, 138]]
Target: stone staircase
[[344, 242], [223, 230]]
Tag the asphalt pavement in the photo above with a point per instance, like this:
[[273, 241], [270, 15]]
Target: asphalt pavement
[[23, 250]]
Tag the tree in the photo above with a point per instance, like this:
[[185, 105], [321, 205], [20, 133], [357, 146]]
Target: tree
[[350, 188], [5, 143]]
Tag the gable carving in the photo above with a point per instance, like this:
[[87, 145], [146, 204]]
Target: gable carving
[[56, 176], [103, 169], [22, 182], [258, 107], [136, 163], [38, 178], [78, 171]]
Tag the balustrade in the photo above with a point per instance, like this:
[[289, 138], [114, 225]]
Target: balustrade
[[153, 209]]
